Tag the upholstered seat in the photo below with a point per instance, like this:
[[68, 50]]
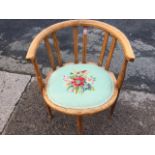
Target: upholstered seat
[[80, 86]]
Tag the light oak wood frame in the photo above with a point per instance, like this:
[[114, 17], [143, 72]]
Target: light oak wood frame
[[117, 36]]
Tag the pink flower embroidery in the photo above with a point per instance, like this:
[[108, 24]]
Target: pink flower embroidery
[[79, 82]]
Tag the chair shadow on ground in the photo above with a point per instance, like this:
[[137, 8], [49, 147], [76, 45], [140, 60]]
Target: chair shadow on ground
[[30, 117]]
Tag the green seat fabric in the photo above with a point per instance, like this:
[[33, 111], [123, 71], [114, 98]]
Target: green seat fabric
[[80, 86]]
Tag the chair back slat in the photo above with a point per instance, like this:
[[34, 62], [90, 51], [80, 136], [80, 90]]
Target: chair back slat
[[49, 51], [111, 51], [84, 52], [122, 74], [56, 46], [104, 45], [75, 44], [38, 74]]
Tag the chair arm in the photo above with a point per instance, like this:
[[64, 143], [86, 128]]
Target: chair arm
[[31, 54], [127, 49]]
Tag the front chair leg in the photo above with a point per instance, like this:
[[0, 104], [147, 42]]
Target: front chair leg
[[79, 124], [50, 116], [113, 107]]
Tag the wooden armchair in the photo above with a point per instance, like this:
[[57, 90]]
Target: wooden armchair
[[80, 88]]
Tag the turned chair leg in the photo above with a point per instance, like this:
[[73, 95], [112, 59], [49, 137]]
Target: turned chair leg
[[79, 124], [50, 116], [112, 111], [113, 107]]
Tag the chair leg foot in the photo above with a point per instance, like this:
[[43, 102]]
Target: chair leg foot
[[79, 124], [113, 107], [50, 116], [111, 113], [110, 117], [112, 110]]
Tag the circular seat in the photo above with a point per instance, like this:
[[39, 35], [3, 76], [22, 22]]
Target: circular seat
[[80, 86]]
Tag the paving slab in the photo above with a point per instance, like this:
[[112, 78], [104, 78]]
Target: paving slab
[[11, 88], [134, 114], [16, 66]]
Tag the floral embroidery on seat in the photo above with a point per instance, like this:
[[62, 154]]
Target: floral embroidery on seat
[[79, 81]]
